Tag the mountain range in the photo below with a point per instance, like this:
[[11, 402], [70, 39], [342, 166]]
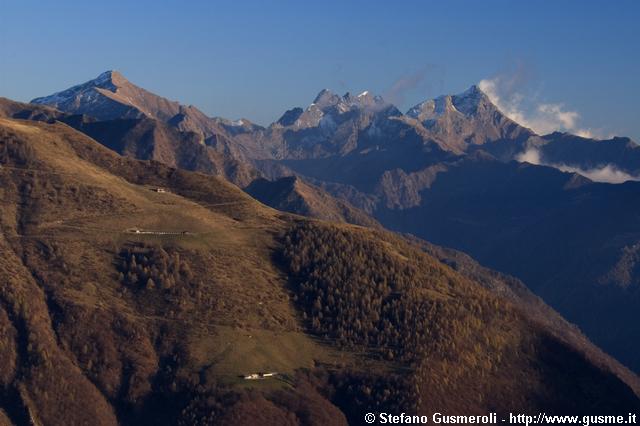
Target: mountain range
[[124, 304], [199, 283]]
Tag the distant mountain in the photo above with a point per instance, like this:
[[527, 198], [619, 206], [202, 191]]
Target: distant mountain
[[330, 125], [111, 96], [138, 123], [620, 153], [334, 125], [363, 141], [148, 139], [291, 194], [123, 304], [468, 119]]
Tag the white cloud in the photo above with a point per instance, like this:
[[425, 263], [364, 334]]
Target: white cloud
[[585, 133], [531, 156], [607, 173], [542, 118], [566, 118]]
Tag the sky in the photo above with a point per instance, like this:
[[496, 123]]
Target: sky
[[567, 65]]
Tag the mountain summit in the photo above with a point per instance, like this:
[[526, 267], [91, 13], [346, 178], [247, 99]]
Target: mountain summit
[[329, 109], [468, 103], [111, 96], [109, 80], [326, 99], [463, 120], [134, 121]]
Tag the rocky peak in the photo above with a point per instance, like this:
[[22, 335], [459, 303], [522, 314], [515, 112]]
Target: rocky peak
[[472, 101], [108, 78], [467, 103], [326, 98], [290, 116]]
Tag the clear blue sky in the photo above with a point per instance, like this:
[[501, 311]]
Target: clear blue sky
[[255, 59]]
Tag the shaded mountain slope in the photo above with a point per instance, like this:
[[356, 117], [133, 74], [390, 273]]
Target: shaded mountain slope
[[102, 324], [280, 194], [618, 152], [569, 239], [613, 160], [147, 139], [341, 303], [572, 241], [291, 194]]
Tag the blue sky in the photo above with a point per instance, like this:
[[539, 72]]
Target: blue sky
[[255, 59]]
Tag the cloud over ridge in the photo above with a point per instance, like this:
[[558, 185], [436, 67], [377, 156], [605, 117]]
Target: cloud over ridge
[[607, 173], [543, 118]]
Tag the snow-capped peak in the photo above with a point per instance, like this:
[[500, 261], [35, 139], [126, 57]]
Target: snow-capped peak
[[327, 99], [103, 78], [470, 100], [109, 80], [111, 76], [467, 103]]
